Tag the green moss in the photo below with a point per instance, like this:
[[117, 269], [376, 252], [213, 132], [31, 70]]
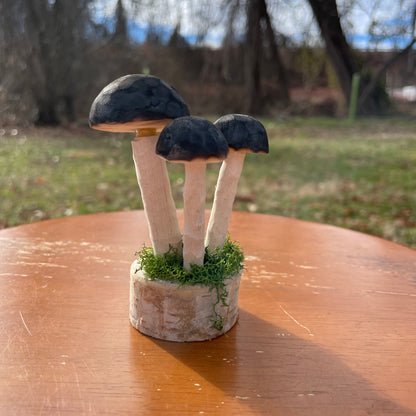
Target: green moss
[[219, 266]]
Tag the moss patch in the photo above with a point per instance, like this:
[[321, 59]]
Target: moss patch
[[219, 266]]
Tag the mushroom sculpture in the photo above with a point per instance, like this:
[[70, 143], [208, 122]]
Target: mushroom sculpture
[[195, 142], [145, 104], [243, 134]]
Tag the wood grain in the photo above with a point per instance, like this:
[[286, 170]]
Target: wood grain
[[327, 325]]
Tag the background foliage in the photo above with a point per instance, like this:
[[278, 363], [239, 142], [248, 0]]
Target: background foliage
[[360, 176], [56, 55]]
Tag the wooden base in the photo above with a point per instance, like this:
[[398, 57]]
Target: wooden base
[[172, 312]]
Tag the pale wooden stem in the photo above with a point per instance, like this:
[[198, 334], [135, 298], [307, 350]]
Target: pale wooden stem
[[225, 192], [194, 214], [159, 207]]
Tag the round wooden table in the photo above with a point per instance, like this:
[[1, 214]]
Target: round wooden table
[[327, 325]]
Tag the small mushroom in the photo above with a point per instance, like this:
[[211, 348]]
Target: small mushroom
[[243, 134], [195, 142], [145, 104]]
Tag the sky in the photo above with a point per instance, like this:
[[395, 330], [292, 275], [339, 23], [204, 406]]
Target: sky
[[292, 18]]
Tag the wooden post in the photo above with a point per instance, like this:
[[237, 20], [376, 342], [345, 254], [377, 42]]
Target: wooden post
[[354, 96]]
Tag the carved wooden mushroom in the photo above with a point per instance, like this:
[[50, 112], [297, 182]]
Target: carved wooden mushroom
[[195, 142], [243, 134], [145, 104]]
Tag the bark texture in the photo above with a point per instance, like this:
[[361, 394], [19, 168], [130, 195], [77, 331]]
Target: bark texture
[[172, 312]]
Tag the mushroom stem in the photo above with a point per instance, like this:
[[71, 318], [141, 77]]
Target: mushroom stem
[[194, 214], [159, 207], [225, 192]]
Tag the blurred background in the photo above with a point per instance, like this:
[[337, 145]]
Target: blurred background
[[334, 82]]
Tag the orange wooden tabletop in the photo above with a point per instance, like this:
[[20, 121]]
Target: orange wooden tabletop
[[327, 325]]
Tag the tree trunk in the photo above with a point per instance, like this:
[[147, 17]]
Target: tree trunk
[[258, 26], [284, 96], [342, 57], [229, 43], [253, 56], [69, 107], [46, 113], [38, 25], [340, 53], [120, 36], [51, 39]]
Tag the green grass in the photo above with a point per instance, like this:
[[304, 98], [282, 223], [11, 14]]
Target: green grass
[[360, 176]]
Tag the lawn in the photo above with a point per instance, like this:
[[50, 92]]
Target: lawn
[[360, 176]]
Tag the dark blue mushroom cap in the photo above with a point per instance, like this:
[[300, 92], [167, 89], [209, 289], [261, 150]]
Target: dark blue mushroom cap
[[189, 138], [243, 132], [136, 101]]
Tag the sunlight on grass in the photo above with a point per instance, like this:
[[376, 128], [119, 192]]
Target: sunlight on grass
[[360, 176]]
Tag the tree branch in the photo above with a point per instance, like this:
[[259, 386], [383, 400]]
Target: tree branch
[[374, 81]]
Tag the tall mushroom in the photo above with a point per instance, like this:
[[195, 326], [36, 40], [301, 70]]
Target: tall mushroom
[[195, 142], [243, 134], [145, 104]]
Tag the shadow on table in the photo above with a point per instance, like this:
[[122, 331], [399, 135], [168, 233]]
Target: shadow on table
[[268, 369]]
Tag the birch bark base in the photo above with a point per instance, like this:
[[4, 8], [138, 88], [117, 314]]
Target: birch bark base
[[172, 312]]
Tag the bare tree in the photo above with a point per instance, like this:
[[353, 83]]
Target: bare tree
[[49, 43], [229, 42], [405, 27], [339, 51], [120, 36], [253, 57], [260, 31], [375, 100], [276, 59]]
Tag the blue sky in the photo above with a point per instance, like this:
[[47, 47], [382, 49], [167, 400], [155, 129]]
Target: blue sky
[[292, 18]]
